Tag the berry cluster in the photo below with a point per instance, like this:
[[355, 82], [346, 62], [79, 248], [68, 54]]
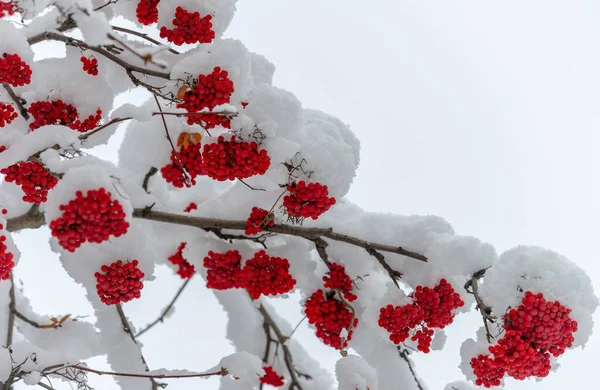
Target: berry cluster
[[119, 282], [338, 279], [190, 207], [35, 180], [14, 71], [266, 275], [8, 8], [185, 269], [7, 114], [431, 308], [330, 316], [223, 270], [147, 11], [207, 92], [190, 158], [230, 160], [2, 148], [535, 330], [6, 258], [271, 377], [58, 112], [90, 65], [257, 220], [93, 217], [307, 200], [189, 28]]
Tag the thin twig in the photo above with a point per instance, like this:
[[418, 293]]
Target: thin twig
[[18, 100], [144, 36], [146, 181], [394, 275], [146, 58], [85, 136], [166, 311], [11, 314], [404, 355], [222, 372], [486, 311], [320, 245]]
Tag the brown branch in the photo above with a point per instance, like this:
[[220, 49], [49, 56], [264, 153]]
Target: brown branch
[[67, 25], [18, 101], [56, 323], [394, 275], [486, 311], [146, 58], [230, 237], [11, 313], [166, 311], [404, 355], [33, 219], [85, 136], [320, 245], [143, 36], [287, 355], [222, 372]]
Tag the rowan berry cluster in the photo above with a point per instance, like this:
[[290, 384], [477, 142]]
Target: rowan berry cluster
[[223, 270], [8, 8], [257, 220], [190, 207], [90, 65], [307, 200], [92, 217], [6, 258], [230, 160], [207, 92], [265, 275], [338, 279], [35, 180], [119, 282], [330, 317], [14, 71], [431, 308], [57, 112], [7, 114], [189, 28], [185, 269], [190, 158], [271, 377], [534, 330], [147, 11]]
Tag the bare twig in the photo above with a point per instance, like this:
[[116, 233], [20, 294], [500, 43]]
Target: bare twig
[[394, 275], [143, 36], [472, 287], [11, 314], [150, 173], [320, 245], [161, 318], [18, 101], [230, 237], [405, 355], [85, 136], [52, 370], [146, 58]]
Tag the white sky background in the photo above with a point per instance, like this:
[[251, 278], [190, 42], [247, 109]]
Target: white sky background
[[486, 114]]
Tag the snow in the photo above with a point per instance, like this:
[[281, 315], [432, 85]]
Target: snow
[[353, 373], [94, 27]]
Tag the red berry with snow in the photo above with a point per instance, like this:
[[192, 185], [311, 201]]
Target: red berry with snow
[[307, 200], [189, 28], [230, 160], [330, 316], [147, 11], [338, 279], [14, 71], [93, 217], [400, 320], [190, 158], [184, 268], [6, 257], [266, 275], [58, 112], [119, 282], [223, 270], [257, 220], [35, 180], [90, 65], [271, 377], [7, 114], [8, 8], [486, 372], [438, 303]]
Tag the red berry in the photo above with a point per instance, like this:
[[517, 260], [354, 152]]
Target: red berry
[[330, 317], [223, 270], [189, 28], [266, 275], [307, 200], [258, 218], [92, 218], [190, 207], [147, 11], [7, 114], [119, 282], [90, 65], [185, 269], [230, 160], [58, 113], [6, 258], [8, 8], [338, 279], [271, 377], [13, 70], [35, 180], [191, 159]]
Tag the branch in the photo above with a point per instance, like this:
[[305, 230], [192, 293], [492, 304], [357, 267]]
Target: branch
[[85, 136], [286, 351], [394, 275], [164, 313], [486, 311], [404, 355], [18, 101], [230, 237], [150, 173], [33, 219], [144, 36], [222, 372], [11, 314], [146, 58], [67, 25]]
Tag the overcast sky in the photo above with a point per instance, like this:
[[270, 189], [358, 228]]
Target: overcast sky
[[486, 114]]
